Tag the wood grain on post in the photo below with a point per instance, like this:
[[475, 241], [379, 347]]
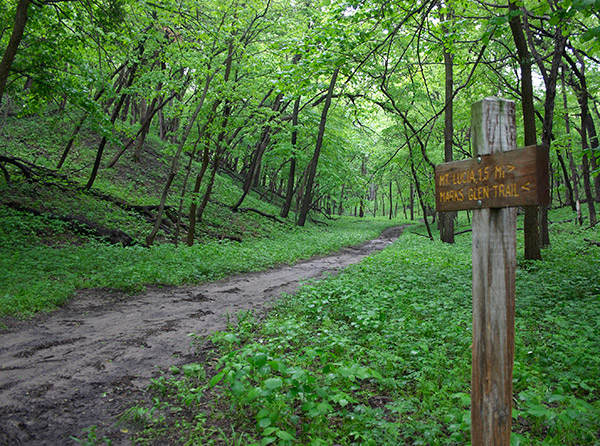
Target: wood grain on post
[[494, 265]]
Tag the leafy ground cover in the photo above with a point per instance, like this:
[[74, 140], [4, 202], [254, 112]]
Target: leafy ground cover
[[380, 355], [36, 277], [45, 254]]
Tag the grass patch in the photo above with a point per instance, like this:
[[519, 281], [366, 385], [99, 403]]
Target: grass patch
[[380, 355], [35, 277]]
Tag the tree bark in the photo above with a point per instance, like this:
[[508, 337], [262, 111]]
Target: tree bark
[[391, 204], [532, 237], [417, 185], [582, 98], [218, 147], [254, 168], [292, 173], [13, 43], [550, 81], [591, 129], [174, 166], [69, 145], [575, 205], [312, 167], [447, 218]]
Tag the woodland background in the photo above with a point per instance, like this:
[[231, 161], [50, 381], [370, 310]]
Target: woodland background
[[160, 142]]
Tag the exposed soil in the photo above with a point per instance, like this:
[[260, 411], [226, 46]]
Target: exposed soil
[[85, 364]]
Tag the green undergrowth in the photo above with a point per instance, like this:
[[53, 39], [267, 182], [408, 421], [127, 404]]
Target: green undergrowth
[[380, 355], [59, 195], [53, 233], [35, 277]]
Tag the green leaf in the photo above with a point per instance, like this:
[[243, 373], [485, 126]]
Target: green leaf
[[539, 410], [259, 360], [273, 383], [264, 422], [284, 435], [215, 379]]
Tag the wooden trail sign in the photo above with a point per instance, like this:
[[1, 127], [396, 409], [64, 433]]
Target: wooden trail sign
[[497, 180], [502, 179]]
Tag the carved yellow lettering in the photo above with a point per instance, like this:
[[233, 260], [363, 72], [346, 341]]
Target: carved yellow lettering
[[498, 173], [471, 194], [501, 191], [472, 176]]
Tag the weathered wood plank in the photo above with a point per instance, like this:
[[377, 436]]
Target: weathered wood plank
[[494, 265], [502, 179]]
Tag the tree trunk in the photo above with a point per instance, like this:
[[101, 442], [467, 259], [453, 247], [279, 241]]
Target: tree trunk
[[411, 202], [532, 237], [175, 165], [447, 218], [254, 170], [312, 167], [419, 191], [550, 82], [113, 118], [576, 204], [13, 43], [582, 98], [591, 129], [194, 206], [292, 174], [391, 204]]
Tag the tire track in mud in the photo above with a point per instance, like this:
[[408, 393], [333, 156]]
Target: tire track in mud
[[85, 364]]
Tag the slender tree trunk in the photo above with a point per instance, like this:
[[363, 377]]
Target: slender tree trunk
[[254, 170], [188, 172], [312, 167], [194, 206], [575, 203], [550, 83], [582, 97], [532, 237], [219, 143], [139, 138], [419, 191], [113, 118], [591, 129], [374, 198], [411, 202], [587, 186], [174, 168], [146, 120], [71, 141], [13, 43], [292, 174], [447, 218], [391, 204], [568, 187]]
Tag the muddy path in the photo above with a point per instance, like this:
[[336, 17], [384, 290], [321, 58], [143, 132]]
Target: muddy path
[[86, 363]]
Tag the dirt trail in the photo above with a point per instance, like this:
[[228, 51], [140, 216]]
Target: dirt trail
[[83, 365]]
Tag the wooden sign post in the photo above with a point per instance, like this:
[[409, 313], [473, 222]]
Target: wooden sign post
[[493, 183]]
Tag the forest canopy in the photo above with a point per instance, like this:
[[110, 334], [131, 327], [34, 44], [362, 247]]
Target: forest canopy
[[328, 106]]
